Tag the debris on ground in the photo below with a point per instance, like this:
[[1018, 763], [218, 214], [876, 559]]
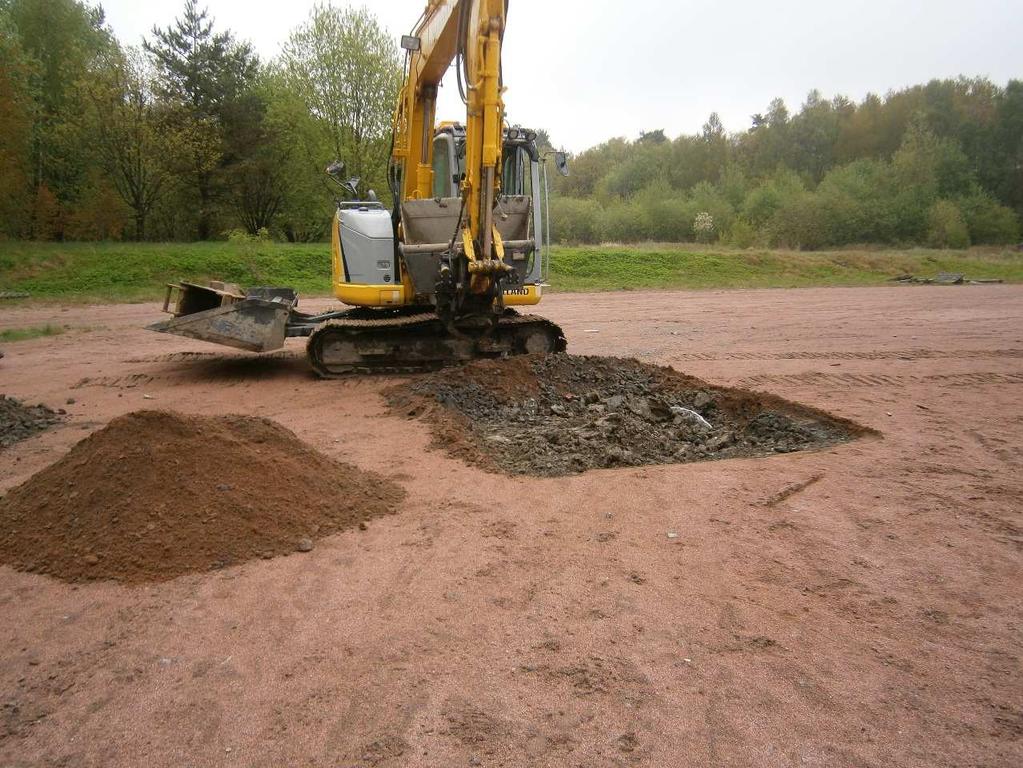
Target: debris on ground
[[945, 278], [156, 494], [13, 295], [19, 421], [563, 414]]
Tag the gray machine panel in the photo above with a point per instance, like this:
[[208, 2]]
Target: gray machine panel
[[511, 216], [434, 222], [367, 245], [431, 220]]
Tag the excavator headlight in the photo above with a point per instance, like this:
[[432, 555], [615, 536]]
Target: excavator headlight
[[513, 133], [530, 135]]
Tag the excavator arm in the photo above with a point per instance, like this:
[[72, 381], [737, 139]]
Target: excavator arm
[[469, 33]]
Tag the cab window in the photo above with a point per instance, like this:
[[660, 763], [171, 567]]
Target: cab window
[[511, 177], [442, 173]]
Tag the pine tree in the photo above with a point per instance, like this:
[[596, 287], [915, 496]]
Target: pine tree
[[204, 74]]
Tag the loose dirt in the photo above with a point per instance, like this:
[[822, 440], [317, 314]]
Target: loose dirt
[[156, 494], [852, 607], [563, 414], [19, 421]]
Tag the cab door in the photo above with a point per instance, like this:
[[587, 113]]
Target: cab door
[[445, 167]]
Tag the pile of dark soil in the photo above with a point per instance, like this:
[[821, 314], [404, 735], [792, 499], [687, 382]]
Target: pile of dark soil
[[19, 421], [562, 414], [155, 494]]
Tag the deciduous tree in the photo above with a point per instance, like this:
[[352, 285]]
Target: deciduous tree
[[347, 70]]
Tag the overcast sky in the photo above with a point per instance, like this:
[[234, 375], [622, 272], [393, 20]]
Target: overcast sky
[[588, 70]]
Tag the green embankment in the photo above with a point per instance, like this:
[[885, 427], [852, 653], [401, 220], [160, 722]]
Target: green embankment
[[613, 267], [138, 271]]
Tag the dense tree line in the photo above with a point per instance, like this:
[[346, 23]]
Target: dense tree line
[[939, 164], [190, 136]]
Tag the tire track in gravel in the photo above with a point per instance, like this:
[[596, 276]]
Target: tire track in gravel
[[813, 378], [908, 354]]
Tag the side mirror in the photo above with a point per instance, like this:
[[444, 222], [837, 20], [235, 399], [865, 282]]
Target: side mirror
[[561, 163], [336, 172]]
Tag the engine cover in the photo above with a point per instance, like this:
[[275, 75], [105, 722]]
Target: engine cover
[[367, 245]]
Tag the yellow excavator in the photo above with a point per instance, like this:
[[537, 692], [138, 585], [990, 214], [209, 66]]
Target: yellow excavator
[[434, 280]]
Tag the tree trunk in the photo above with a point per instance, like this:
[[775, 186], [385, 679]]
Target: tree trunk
[[203, 229]]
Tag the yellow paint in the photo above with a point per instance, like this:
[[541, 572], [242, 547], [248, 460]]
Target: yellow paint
[[414, 128], [370, 295], [524, 295]]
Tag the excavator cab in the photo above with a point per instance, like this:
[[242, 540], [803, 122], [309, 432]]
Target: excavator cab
[[427, 229]]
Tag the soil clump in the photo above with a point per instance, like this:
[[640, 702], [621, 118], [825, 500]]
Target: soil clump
[[563, 414], [19, 421], [157, 494]]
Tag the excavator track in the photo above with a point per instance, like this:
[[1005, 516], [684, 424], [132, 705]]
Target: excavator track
[[411, 343]]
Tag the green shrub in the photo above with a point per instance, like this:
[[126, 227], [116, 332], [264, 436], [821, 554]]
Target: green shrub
[[668, 220], [857, 203], [242, 237], [763, 201], [706, 198], [575, 221], [740, 235], [988, 221], [624, 222], [946, 227], [800, 223]]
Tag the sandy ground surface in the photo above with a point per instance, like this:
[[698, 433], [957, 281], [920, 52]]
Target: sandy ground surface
[[872, 618]]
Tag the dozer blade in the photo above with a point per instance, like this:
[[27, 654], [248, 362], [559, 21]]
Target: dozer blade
[[256, 320]]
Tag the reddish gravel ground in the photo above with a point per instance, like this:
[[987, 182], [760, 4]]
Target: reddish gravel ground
[[859, 606]]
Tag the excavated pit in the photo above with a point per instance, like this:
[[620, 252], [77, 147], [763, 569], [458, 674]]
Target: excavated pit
[[154, 495], [564, 414]]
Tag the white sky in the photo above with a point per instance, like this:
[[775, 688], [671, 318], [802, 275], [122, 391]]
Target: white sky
[[588, 70]]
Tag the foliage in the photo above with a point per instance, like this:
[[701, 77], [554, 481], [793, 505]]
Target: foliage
[[16, 125], [832, 174], [296, 153], [204, 78], [988, 221], [346, 69], [740, 235], [101, 214], [193, 136], [946, 227], [63, 43], [47, 218], [575, 221], [875, 200], [137, 271], [124, 116], [623, 222]]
